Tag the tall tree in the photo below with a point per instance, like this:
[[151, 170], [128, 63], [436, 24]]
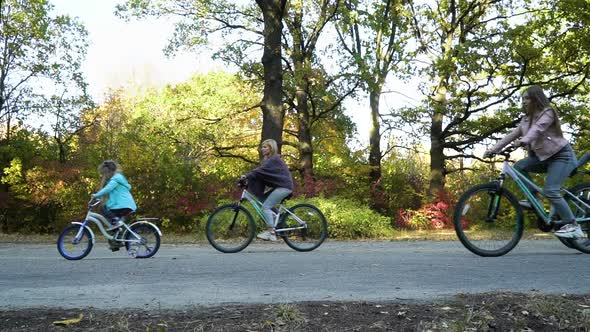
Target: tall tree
[[197, 21], [272, 102], [36, 52], [374, 34], [314, 94]]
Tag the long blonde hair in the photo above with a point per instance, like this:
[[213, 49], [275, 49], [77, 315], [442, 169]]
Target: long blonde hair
[[273, 147]]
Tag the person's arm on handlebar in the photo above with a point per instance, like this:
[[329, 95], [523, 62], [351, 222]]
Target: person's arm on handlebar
[[512, 136]]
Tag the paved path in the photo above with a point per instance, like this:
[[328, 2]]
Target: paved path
[[185, 275]]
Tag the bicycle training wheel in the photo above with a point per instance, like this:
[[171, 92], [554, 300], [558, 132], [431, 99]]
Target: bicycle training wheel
[[146, 245], [582, 191], [71, 249], [305, 230], [230, 228], [488, 222]]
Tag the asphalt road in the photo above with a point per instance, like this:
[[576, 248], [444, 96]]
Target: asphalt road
[[186, 275]]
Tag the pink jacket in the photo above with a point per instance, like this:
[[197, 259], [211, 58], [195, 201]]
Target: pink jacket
[[542, 135]]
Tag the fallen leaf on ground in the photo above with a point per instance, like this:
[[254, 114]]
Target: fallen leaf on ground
[[70, 321]]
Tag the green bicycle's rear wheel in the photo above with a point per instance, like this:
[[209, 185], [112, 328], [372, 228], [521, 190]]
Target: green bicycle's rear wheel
[[307, 233], [487, 221], [230, 228], [582, 191]]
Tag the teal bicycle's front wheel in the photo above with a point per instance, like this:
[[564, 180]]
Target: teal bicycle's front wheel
[[304, 229], [488, 221], [230, 228], [581, 191]]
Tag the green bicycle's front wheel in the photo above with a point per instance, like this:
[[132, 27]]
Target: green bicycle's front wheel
[[488, 221], [230, 228], [304, 228]]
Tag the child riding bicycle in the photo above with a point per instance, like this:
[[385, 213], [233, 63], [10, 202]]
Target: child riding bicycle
[[116, 190], [549, 152]]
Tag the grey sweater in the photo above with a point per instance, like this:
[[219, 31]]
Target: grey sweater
[[273, 173]]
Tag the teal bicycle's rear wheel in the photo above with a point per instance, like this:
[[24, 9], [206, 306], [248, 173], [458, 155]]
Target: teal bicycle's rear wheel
[[487, 221], [582, 191], [230, 228]]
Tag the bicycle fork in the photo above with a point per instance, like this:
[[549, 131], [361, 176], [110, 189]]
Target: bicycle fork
[[494, 205], [236, 210], [78, 236]]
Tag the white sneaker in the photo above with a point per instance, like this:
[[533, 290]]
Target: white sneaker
[[267, 236], [570, 231]]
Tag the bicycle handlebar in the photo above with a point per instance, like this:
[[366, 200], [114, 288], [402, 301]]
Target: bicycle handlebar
[[506, 151], [94, 202], [243, 182]]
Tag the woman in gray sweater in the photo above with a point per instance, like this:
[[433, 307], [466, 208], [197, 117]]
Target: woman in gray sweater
[[549, 152], [271, 182]]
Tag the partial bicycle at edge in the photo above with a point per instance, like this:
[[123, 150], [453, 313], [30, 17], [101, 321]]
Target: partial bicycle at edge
[[489, 220]]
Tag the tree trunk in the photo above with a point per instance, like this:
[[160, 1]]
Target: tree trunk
[[305, 144], [374, 139], [302, 67], [272, 108], [8, 128], [437, 143], [437, 157]]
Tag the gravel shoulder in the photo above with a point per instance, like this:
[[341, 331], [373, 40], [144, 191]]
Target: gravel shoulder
[[479, 312]]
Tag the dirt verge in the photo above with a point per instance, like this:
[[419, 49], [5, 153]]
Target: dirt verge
[[481, 312]]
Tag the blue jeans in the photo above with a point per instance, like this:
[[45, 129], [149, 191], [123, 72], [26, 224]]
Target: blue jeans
[[273, 198], [558, 167]]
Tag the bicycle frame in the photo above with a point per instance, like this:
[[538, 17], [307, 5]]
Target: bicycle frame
[[102, 223], [524, 184], [276, 215]]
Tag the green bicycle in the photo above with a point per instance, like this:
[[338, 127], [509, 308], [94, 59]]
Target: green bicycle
[[231, 227], [489, 220]]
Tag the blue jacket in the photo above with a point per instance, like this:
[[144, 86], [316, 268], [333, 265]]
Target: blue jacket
[[119, 195]]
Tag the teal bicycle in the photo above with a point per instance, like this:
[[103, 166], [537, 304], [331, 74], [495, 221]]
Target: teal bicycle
[[489, 220], [231, 227]]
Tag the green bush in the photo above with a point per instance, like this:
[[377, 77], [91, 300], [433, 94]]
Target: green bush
[[348, 219]]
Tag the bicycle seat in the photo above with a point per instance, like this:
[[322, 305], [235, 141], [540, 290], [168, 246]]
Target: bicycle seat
[[581, 161]]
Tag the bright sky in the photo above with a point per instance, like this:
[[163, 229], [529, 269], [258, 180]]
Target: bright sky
[[128, 53]]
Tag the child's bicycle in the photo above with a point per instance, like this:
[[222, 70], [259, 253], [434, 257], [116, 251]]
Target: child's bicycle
[[231, 227], [141, 238], [489, 220]]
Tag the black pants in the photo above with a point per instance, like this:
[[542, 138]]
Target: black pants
[[111, 214]]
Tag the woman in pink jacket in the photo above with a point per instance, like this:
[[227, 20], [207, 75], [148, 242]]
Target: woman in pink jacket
[[549, 152]]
